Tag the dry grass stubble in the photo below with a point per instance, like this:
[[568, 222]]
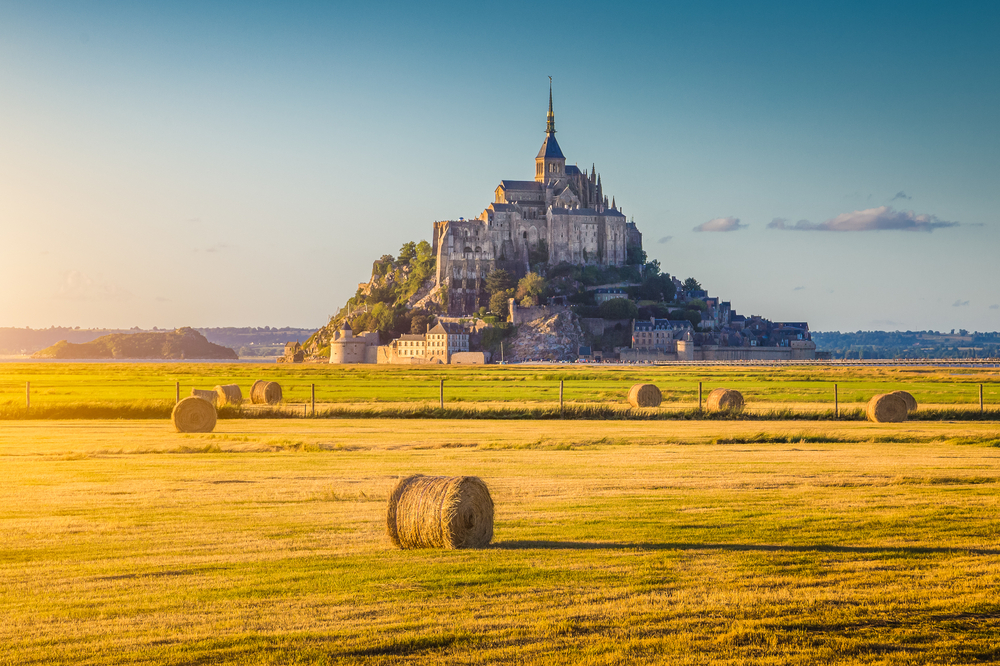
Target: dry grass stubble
[[627, 549]]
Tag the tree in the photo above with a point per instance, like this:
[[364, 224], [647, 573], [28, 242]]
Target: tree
[[657, 288], [635, 256], [531, 285], [499, 303], [697, 304], [499, 280], [419, 322], [424, 251], [692, 285], [406, 253], [618, 308]]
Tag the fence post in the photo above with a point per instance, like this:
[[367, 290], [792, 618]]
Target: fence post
[[560, 397], [442, 394], [27, 396], [836, 402], [314, 400], [980, 398], [699, 396], [177, 393]]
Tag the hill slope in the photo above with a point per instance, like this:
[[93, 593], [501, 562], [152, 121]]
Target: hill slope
[[183, 343]]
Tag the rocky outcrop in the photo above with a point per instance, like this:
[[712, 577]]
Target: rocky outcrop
[[553, 337]]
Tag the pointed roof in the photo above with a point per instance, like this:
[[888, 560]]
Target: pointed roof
[[550, 147]]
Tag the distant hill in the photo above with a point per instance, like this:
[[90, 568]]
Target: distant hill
[[908, 344], [247, 341], [184, 343]]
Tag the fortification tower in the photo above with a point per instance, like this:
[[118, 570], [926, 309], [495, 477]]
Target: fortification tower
[[551, 163]]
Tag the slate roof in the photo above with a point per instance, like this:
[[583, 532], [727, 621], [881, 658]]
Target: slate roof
[[504, 207], [573, 170], [521, 185], [550, 147]]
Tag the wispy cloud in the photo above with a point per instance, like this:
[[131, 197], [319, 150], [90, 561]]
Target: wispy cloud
[[901, 195], [798, 289], [883, 218], [721, 224], [665, 239], [78, 286], [959, 304], [218, 247], [995, 307]]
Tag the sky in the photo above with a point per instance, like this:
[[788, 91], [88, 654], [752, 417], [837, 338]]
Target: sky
[[243, 163]]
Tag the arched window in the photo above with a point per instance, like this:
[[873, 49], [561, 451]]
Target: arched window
[[524, 235]]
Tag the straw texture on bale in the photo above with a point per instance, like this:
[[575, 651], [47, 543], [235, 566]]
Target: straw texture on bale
[[724, 400], [265, 393], [911, 402], [229, 394], [886, 408], [644, 395], [210, 396], [440, 512], [193, 414]]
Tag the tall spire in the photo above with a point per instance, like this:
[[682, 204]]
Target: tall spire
[[550, 127]]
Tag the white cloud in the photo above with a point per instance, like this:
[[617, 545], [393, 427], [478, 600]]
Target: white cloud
[[883, 218], [78, 286], [721, 224]]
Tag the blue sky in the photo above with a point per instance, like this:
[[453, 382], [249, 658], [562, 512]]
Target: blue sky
[[214, 164]]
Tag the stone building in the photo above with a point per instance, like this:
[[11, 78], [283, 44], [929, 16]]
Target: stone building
[[563, 215], [348, 348], [438, 345]]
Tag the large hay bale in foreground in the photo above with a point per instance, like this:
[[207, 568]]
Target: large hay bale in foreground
[[644, 395], [440, 512], [886, 408], [210, 396], [724, 400], [193, 414], [265, 393], [229, 394], [911, 402]]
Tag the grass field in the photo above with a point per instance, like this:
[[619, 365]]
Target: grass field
[[616, 542], [802, 388]]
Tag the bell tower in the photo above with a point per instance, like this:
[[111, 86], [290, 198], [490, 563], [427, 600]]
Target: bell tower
[[550, 163]]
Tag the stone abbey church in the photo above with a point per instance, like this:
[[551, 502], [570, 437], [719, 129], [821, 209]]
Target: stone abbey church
[[561, 216]]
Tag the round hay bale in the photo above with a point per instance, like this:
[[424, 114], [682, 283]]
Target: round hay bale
[[265, 393], [886, 408], [440, 512], [644, 395], [210, 396], [229, 394], [911, 402], [724, 400], [193, 414]]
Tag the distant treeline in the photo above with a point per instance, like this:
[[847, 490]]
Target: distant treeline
[[908, 344], [247, 341]]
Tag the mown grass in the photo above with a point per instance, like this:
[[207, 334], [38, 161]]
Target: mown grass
[[161, 409], [616, 542], [57, 383]]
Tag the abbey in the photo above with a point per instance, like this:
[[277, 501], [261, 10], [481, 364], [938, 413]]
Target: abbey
[[562, 215]]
